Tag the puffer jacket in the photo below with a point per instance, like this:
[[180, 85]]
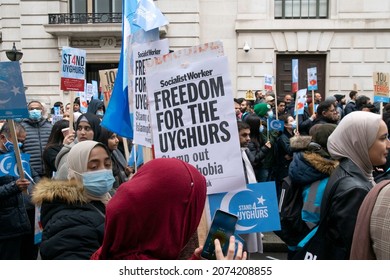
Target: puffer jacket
[[351, 189], [72, 227], [38, 133], [13, 216]]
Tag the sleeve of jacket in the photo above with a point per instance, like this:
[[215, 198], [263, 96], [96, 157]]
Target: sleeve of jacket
[[256, 155], [284, 145], [342, 220], [9, 189]]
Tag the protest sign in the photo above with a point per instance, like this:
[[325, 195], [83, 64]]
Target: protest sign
[[185, 56], [268, 82], [12, 97], [295, 75], [141, 54], [381, 86], [107, 80], [193, 119], [73, 69], [300, 101], [256, 207], [312, 79]]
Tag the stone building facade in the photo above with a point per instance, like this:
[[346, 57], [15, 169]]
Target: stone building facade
[[349, 39]]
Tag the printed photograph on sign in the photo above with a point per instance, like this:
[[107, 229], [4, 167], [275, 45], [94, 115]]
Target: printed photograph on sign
[[312, 79]]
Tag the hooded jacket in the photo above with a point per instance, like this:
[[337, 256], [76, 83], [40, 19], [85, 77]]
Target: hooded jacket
[[94, 105], [72, 228]]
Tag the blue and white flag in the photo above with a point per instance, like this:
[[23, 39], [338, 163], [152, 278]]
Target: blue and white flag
[[118, 117], [256, 207], [8, 165], [276, 125], [12, 98], [148, 16]]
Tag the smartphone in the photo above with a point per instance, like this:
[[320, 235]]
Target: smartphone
[[222, 227]]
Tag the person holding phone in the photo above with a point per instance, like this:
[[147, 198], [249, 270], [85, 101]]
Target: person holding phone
[[155, 213]]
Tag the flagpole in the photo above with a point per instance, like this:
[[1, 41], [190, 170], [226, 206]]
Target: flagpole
[[71, 116], [16, 149], [312, 100]]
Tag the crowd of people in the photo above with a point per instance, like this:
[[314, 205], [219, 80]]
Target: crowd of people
[[93, 206], [335, 152]]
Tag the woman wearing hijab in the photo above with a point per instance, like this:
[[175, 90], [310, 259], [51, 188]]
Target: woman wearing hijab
[[120, 168], [359, 142], [153, 215], [87, 128], [72, 211]]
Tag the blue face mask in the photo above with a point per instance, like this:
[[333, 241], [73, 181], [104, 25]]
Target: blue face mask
[[35, 114], [9, 146], [294, 125], [99, 182], [261, 128], [100, 113], [270, 114]]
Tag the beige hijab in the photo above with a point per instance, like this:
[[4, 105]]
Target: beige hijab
[[353, 137], [78, 163]]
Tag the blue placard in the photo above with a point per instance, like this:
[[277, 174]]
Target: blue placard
[[378, 98], [256, 207], [276, 125], [12, 98], [8, 165]]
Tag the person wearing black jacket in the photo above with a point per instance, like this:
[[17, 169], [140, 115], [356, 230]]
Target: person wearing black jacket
[[14, 220], [359, 142]]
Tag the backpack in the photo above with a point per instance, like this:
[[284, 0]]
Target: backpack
[[293, 228]]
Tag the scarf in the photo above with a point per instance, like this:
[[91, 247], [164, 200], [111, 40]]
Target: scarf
[[353, 137]]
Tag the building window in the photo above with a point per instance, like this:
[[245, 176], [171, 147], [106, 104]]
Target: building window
[[78, 6], [95, 6], [104, 6], [301, 9]]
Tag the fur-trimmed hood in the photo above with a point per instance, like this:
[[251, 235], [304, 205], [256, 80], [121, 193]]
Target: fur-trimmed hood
[[308, 167], [323, 165], [68, 192]]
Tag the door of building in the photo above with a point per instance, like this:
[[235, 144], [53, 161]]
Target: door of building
[[284, 72]]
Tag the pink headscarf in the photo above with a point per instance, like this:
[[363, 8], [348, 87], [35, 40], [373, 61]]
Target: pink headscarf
[[153, 215]]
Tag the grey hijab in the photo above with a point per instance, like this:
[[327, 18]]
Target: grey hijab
[[353, 137]]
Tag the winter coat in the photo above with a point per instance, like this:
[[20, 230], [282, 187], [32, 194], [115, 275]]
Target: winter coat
[[311, 172], [38, 133], [72, 227], [61, 162], [284, 155], [49, 157], [350, 107], [13, 216], [351, 188]]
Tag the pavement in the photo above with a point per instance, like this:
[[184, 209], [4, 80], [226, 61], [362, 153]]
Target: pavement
[[272, 243]]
